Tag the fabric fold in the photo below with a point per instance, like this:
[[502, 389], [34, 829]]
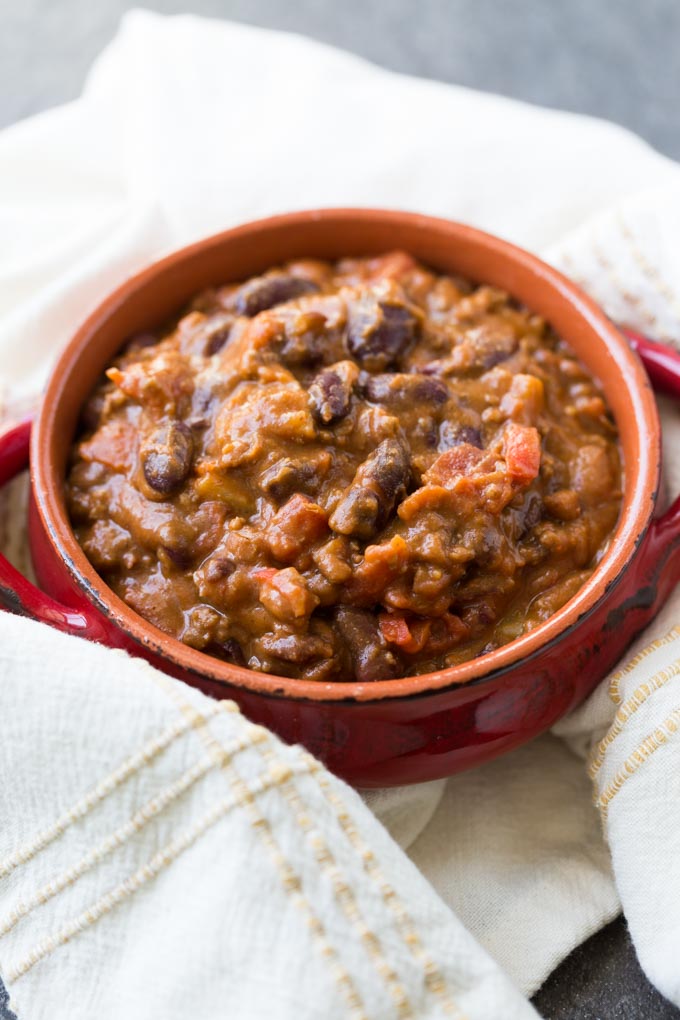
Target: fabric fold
[[176, 858]]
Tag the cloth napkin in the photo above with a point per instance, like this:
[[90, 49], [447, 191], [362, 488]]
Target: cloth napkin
[[159, 855]]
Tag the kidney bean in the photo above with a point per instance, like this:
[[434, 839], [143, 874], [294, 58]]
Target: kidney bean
[[217, 338], [283, 478], [451, 435], [166, 455], [297, 647], [482, 348], [379, 332], [497, 355], [91, 413], [330, 393], [426, 430], [267, 291], [404, 388], [357, 513], [379, 484], [389, 468], [591, 474], [233, 652], [491, 344], [202, 413], [528, 515], [534, 510], [371, 658], [219, 567], [179, 555], [286, 476], [139, 341], [305, 340]]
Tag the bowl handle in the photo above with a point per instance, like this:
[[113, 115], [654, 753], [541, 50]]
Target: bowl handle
[[663, 368], [17, 594]]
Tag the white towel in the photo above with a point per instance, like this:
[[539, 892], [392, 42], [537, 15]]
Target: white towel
[[259, 886]]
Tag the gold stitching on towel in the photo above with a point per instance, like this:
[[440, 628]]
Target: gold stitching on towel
[[104, 787], [134, 824], [570, 268], [435, 981], [134, 882], [649, 270], [650, 320], [634, 300], [290, 879], [629, 708], [616, 678], [660, 736], [343, 893]]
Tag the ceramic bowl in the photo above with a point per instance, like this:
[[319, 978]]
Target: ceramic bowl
[[394, 731]]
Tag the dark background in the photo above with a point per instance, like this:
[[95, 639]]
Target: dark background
[[618, 59]]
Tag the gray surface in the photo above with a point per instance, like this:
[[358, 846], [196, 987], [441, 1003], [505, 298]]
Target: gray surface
[[613, 58], [602, 980], [5, 1012]]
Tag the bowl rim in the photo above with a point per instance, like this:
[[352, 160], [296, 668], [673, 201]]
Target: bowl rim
[[637, 505]]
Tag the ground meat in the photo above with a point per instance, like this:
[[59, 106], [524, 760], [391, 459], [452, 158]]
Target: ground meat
[[348, 471]]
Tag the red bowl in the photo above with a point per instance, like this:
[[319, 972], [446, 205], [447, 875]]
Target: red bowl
[[393, 731]]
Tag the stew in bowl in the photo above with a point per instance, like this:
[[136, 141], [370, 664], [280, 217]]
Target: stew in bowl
[[355, 470], [547, 574]]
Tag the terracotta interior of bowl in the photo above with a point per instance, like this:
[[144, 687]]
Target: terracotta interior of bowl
[[161, 291]]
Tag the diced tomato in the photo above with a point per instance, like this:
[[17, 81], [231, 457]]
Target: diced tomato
[[524, 400], [392, 266], [295, 527], [114, 445], [410, 637], [420, 634], [380, 565], [265, 573], [392, 554], [286, 595], [455, 626], [452, 464], [447, 631], [394, 629], [522, 451], [427, 497], [158, 383], [262, 330]]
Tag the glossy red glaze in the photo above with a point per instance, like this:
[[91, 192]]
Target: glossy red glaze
[[660, 361], [16, 593], [392, 732]]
